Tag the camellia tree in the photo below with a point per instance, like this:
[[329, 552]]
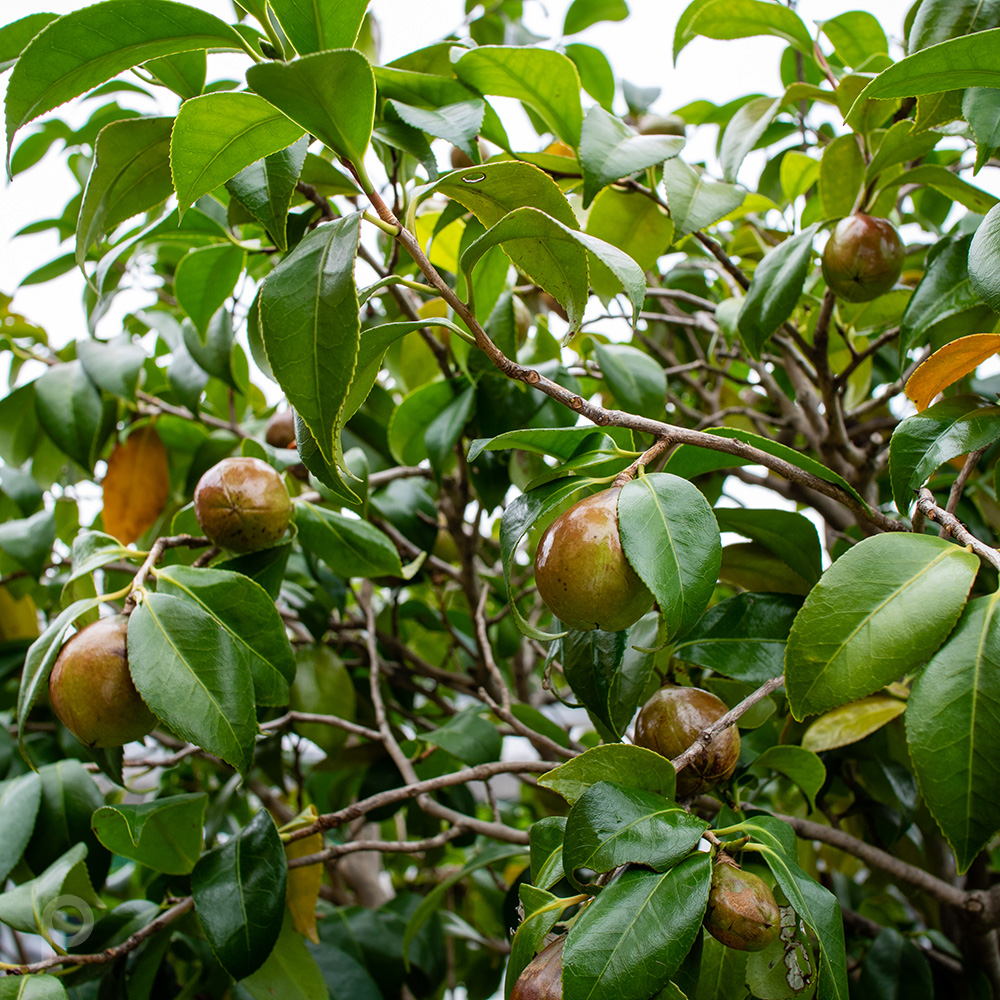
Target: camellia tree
[[334, 696]]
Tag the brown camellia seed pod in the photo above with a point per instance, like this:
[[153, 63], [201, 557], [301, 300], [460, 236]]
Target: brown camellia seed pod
[[863, 258], [742, 913], [242, 504], [91, 689], [281, 430], [582, 573], [671, 721], [542, 977]]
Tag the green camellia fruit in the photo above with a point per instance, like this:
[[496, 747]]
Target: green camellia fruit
[[863, 258], [742, 913], [671, 721], [242, 504], [660, 125], [91, 689], [582, 573], [542, 978]]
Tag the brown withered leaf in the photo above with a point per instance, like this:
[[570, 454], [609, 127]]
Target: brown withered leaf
[[137, 485]]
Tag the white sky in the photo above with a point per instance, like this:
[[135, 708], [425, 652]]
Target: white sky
[[639, 49]]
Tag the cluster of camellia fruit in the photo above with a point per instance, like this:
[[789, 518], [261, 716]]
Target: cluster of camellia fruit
[[242, 505]]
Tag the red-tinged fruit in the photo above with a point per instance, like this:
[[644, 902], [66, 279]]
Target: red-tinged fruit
[[91, 689], [670, 722], [280, 431], [742, 913], [242, 504], [863, 258], [542, 977], [581, 571]]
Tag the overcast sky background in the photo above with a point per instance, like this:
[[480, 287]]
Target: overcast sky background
[[639, 49]]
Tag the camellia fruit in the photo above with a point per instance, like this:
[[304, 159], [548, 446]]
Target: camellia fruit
[[91, 689], [742, 913], [671, 721], [863, 258], [242, 504], [280, 431], [660, 125], [542, 977], [581, 571]]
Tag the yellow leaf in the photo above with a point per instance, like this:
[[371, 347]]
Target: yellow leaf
[[137, 485], [302, 890], [18, 617], [949, 364], [852, 722]]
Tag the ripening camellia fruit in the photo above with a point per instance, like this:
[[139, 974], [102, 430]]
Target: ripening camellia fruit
[[742, 913], [91, 689], [863, 258], [242, 504], [280, 431], [542, 978], [582, 573], [671, 721], [660, 125]]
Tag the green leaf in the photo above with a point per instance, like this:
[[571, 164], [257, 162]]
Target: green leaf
[[984, 254], [18, 425], [70, 411], [444, 431], [696, 200], [726, 19], [239, 895], [164, 834], [291, 971], [205, 277], [86, 47], [744, 130], [952, 734], [131, 174], [841, 174], [183, 72], [542, 911], [218, 135], [15, 36], [467, 736], [546, 81], [19, 801], [193, 676], [920, 443], [790, 536], [636, 380], [610, 150], [313, 27], [797, 763], [857, 630], [671, 538], [241, 608], [350, 547], [29, 540], [112, 366], [612, 825], [33, 987], [775, 289], [938, 20], [213, 355], [630, 939], [742, 637], [981, 109], [596, 75], [856, 37], [590, 661], [561, 442], [940, 178], [458, 123], [583, 13], [851, 722], [310, 326], [310, 92], [621, 763], [895, 967]]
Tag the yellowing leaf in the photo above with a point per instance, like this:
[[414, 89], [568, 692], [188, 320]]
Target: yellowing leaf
[[302, 888], [949, 364], [137, 485], [18, 617], [852, 722]]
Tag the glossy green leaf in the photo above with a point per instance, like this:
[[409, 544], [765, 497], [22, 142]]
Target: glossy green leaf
[[467, 736], [984, 254], [744, 130], [310, 326], [920, 443], [164, 834], [612, 825], [32, 987], [291, 971], [938, 20], [799, 764], [218, 135], [265, 188], [900, 144], [112, 366], [183, 72], [940, 178], [841, 174], [696, 200], [444, 431], [243, 609], [635, 379], [239, 895], [70, 411], [609, 150], [671, 538], [851, 722], [742, 637], [981, 109], [858, 629], [622, 763], [19, 801], [86, 47], [313, 27], [18, 425], [350, 547], [724, 19], [895, 967], [596, 75], [214, 354], [856, 36], [952, 733], [583, 13], [29, 540], [630, 939], [775, 290], [131, 174], [561, 442], [789, 535], [546, 81], [310, 92], [591, 660], [542, 911], [15, 36], [458, 124], [193, 677], [205, 277]]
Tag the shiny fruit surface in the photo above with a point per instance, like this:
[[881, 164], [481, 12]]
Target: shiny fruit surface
[[671, 721], [863, 258], [242, 504], [661, 125], [91, 689], [542, 978], [281, 430], [582, 573], [742, 913]]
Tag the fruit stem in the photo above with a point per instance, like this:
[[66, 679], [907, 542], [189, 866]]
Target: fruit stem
[[646, 458], [155, 555]]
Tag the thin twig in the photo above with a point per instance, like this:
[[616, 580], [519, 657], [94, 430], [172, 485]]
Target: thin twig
[[928, 505]]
